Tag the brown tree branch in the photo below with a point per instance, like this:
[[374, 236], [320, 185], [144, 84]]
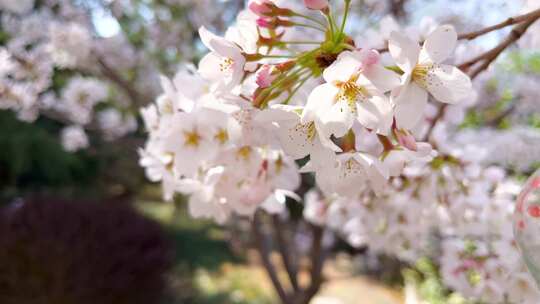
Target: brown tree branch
[[534, 15], [264, 252], [490, 56], [510, 21], [317, 263], [137, 99], [397, 9], [285, 252], [433, 122], [487, 58]]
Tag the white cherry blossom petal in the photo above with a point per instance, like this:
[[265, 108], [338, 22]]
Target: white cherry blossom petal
[[206, 37], [277, 113], [226, 48], [297, 140], [404, 51], [319, 101], [382, 78], [209, 67], [343, 68], [448, 84], [324, 138], [339, 119], [376, 114], [439, 44], [410, 101]]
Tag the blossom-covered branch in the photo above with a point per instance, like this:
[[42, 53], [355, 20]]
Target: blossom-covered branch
[[531, 16], [488, 57]]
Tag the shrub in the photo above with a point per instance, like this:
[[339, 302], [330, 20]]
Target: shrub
[[58, 252]]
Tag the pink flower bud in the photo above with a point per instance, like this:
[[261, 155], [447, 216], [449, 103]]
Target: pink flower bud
[[261, 22], [535, 183], [406, 140], [265, 77], [260, 8], [534, 211], [470, 264], [316, 4]]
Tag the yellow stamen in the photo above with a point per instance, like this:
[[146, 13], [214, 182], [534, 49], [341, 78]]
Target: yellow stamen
[[222, 136], [192, 138], [168, 106], [279, 164], [83, 98], [244, 152], [311, 131], [226, 65], [351, 92], [420, 74], [170, 165]]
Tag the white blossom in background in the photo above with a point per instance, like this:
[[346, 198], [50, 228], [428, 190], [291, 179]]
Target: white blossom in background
[[16, 6], [74, 138], [79, 97], [49, 45], [521, 155], [532, 37], [114, 124], [357, 126], [278, 89], [70, 44]]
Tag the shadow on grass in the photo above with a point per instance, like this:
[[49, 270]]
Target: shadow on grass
[[198, 243], [205, 271], [200, 247]]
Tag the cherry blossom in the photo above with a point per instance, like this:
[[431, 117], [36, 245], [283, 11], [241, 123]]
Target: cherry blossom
[[225, 63], [286, 102], [316, 4], [352, 94], [424, 72]]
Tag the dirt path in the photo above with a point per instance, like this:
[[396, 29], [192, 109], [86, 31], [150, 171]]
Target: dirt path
[[357, 290], [341, 287]]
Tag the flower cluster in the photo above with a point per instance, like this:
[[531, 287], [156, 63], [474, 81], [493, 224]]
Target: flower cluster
[[286, 92], [48, 67], [283, 86], [456, 213], [213, 150]]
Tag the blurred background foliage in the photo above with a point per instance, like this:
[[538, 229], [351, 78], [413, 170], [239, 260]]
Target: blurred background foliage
[[205, 270], [165, 32], [33, 163]]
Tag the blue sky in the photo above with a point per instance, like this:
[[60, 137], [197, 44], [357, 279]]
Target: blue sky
[[482, 11]]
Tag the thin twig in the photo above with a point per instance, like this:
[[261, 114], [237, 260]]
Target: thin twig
[[490, 56], [499, 118], [534, 15], [317, 262], [433, 122], [264, 252], [397, 9], [487, 59], [137, 99], [510, 21], [285, 252]]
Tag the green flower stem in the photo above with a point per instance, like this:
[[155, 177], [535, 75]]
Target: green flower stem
[[301, 42], [309, 26], [348, 47], [278, 56], [345, 16], [328, 16], [309, 18], [302, 82], [280, 80]]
